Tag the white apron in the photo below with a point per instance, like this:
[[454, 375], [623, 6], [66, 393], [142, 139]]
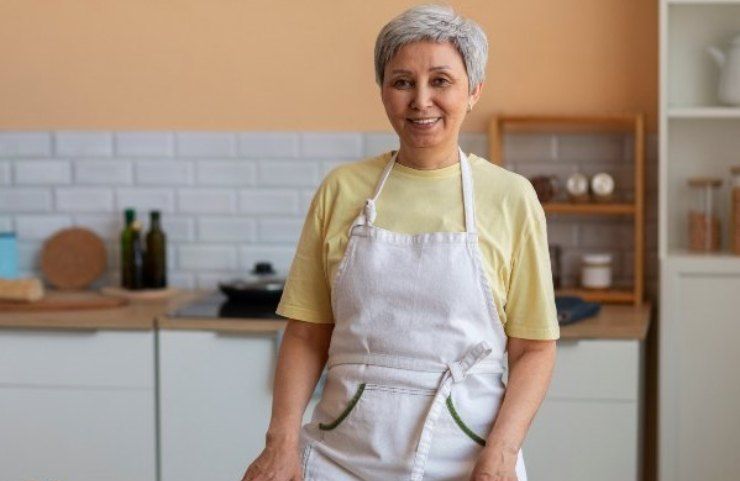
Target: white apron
[[416, 357]]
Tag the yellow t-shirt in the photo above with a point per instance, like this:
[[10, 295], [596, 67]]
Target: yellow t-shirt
[[511, 226]]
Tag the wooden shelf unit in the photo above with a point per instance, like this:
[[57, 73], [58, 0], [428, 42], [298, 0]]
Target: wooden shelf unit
[[633, 123]]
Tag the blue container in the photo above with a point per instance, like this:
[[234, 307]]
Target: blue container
[[8, 256]]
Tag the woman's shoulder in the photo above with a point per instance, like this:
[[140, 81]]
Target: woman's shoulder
[[356, 174], [500, 183]]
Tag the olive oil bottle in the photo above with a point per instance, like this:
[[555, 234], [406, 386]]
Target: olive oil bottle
[[132, 255], [155, 258]]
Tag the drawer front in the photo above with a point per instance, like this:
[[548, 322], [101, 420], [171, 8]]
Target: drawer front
[[77, 358], [77, 434], [596, 369], [583, 441]]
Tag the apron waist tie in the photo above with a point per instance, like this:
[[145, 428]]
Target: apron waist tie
[[455, 373], [473, 361]]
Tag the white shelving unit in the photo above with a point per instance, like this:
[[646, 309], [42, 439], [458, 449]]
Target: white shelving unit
[[699, 429]]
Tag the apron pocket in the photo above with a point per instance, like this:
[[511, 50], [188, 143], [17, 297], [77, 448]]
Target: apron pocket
[[461, 424], [350, 406]]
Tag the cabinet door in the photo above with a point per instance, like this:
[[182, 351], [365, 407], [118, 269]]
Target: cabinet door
[[577, 440], [215, 402], [699, 359], [69, 434], [77, 405], [587, 428]]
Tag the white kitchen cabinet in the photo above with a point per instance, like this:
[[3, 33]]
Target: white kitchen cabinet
[[588, 427], [77, 405], [215, 402], [698, 392], [699, 358]]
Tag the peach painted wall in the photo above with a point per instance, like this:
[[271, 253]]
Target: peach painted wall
[[300, 65]]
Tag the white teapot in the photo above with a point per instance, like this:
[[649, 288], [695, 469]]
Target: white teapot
[[729, 79]]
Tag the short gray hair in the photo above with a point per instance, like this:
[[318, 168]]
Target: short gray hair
[[435, 23]]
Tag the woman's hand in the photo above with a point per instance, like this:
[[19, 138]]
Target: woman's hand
[[496, 463], [277, 462]]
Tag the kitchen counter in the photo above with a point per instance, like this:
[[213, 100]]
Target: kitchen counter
[[612, 322]]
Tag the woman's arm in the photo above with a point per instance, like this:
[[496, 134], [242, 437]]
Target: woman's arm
[[530, 370], [303, 354]]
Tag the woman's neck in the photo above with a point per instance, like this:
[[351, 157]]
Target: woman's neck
[[428, 159]]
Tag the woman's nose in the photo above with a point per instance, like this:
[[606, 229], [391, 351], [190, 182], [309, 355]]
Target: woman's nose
[[422, 97]]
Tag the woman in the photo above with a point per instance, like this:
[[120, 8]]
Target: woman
[[411, 285]]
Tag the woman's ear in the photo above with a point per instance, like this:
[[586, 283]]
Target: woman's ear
[[475, 95]]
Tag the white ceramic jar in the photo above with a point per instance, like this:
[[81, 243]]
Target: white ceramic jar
[[596, 271]]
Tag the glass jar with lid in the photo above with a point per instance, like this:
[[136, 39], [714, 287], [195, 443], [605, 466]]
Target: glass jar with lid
[[735, 210], [703, 221]]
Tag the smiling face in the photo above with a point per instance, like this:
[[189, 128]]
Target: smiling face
[[425, 94]]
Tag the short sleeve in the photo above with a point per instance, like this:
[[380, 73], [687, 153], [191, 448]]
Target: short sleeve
[[530, 303], [306, 296]]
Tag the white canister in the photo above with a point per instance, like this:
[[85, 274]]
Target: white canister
[[596, 271]]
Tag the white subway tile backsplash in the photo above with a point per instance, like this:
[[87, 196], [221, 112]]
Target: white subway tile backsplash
[[279, 256], [83, 144], [24, 199], [39, 227], [268, 202], [280, 230], [592, 147], [5, 177], [563, 233], [237, 173], [206, 201], [527, 147], [331, 145], [282, 173], [42, 172], [109, 172], [305, 199], [29, 255], [25, 144], [232, 199], [474, 143], [182, 280], [107, 226], [178, 228], [606, 235], [145, 198], [330, 165], [84, 199], [6, 223], [210, 280], [145, 144], [207, 257], [226, 229], [377, 143], [269, 145], [206, 144], [164, 172]]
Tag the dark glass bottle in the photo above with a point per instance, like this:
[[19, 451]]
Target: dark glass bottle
[[127, 235], [137, 257], [155, 260]]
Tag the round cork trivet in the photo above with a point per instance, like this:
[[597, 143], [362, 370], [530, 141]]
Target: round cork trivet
[[73, 258]]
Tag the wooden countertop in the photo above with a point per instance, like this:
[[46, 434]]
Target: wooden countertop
[[612, 322]]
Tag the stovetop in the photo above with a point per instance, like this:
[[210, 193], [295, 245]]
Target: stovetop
[[218, 306]]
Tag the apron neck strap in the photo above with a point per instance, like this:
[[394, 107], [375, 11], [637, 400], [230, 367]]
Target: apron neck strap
[[369, 211]]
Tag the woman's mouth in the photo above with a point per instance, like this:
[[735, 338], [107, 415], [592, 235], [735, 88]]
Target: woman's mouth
[[424, 123]]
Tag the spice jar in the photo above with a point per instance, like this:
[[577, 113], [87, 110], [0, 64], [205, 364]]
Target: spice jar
[[703, 221], [596, 271], [735, 210]]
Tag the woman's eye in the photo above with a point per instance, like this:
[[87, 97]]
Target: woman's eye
[[401, 84], [440, 82]]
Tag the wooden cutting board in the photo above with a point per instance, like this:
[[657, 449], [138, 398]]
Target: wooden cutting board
[[64, 301], [73, 258]]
